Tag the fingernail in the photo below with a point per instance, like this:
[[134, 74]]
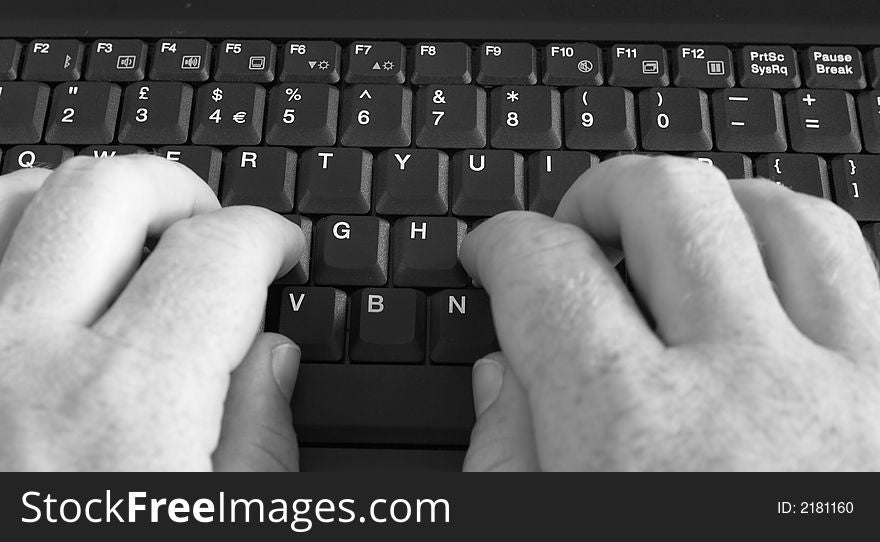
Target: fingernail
[[285, 364], [488, 376]]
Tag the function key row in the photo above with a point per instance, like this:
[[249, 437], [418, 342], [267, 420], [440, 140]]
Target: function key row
[[488, 64]]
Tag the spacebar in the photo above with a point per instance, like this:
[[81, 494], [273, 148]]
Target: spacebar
[[383, 404]]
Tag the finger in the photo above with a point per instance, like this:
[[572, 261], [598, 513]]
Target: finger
[[689, 250], [201, 294], [257, 433], [83, 234], [503, 438], [16, 192], [824, 274]]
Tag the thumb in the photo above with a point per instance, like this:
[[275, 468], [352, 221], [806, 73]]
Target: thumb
[[257, 432], [503, 438]]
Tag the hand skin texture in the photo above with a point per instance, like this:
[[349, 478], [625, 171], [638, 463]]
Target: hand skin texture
[[753, 344]]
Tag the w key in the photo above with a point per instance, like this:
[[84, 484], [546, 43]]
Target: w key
[[83, 113], [675, 119]]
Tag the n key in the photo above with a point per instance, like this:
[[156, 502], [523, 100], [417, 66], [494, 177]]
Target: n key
[[855, 185], [822, 121], [461, 327], [83, 113], [675, 119]]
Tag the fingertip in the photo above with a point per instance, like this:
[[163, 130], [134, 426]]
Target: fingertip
[[285, 367], [488, 378]]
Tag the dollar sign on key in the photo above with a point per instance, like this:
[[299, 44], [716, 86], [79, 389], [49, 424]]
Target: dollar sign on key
[[217, 94]]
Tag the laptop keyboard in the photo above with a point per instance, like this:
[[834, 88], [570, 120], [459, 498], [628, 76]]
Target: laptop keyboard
[[385, 154]]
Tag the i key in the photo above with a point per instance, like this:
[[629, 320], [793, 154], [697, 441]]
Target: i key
[[376, 62], [245, 61], [314, 318], [412, 182], [203, 161], [855, 185], [181, 60], [461, 327], [335, 180], [485, 183], [444, 63], [261, 176], [675, 119], [551, 174], [117, 60], [83, 113], [351, 251], [822, 121], [376, 116], [638, 66], [805, 173], [23, 108], [302, 114], [28, 156], [748, 120], [387, 326], [426, 252], [525, 117], [156, 112], [451, 117], [507, 64], [600, 118], [53, 61], [229, 114]]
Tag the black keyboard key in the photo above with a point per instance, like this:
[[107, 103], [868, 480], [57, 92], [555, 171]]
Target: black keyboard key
[[204, 161], [507, 64], [53, 60], [243, 61], [387, 326], [768, 66], [302, 114], [735, 165], [551, 174], [822, 121], [675, 119], [525, 117], [856, 186], [872, 60], [376, 116], [28, 156], [704, 66], [412, 182], [10, 52], [229, 114], [300, 272], [805, 173], [461, 327], [632, 65], [83, 113], [310, 62], [572, 64], [426, 252], [600, 118], [833, 67], [180, 60], [485, 183], [335, 180], [869, 116], [376, 62], [23, 108], [314, 318], [109, 151], [451, 117], [442, 63], [383, 404], [351, 251], [117, 60], [155, 113], [262, 176], [748, 120]]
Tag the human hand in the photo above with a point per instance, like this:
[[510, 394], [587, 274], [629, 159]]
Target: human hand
[[766, 350], [105, 365]]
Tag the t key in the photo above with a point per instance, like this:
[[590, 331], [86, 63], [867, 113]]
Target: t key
[[83, 113], [855, 185], [335, 180], [675, 119], [229, 114], [376, 116], [822, 121], [525, 117]]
